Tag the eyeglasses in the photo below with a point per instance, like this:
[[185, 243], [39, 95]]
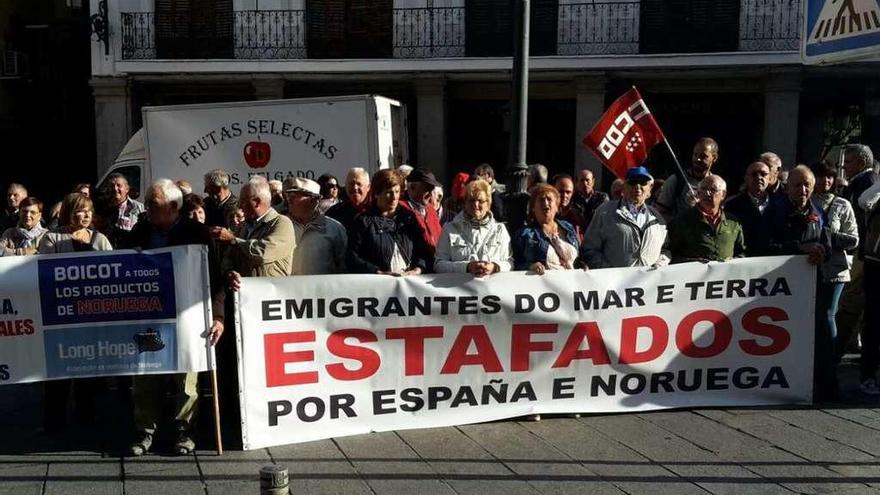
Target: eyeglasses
[[333, 186], [638, 182], [710, 191]]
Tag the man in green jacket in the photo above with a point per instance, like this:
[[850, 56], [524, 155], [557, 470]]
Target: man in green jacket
[[704, 232]]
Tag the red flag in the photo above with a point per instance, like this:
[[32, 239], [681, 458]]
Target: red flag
[[625, 134]]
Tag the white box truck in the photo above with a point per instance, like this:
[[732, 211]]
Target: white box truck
[[274, 138]]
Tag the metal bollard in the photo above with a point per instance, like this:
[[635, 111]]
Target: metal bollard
[[274, 480]]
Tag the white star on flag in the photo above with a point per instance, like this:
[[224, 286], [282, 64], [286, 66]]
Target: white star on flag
[[634, 142]]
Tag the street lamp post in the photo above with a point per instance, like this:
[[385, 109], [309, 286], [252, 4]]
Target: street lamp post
[[516, 167]]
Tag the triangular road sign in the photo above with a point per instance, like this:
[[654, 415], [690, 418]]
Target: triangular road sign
[[838, 30], [846, 18]]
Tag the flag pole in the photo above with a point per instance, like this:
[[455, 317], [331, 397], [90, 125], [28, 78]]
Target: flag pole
[[677, 164], [671, 152]]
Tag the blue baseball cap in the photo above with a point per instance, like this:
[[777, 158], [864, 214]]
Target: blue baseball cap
[[639, 172]]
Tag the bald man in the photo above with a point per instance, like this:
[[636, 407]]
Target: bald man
[[704, 232]]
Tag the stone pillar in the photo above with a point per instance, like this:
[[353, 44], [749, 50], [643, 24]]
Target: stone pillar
[[431, 126], [782, 96], [268, 88], [590, 94], [112, 118]]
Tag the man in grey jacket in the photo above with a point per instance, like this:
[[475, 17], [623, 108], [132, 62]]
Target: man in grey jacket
[[319, 241], [627, 232]]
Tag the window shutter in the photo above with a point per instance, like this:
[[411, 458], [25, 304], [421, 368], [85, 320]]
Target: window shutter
[[325, 21], [542, 27], [194, 29], [488, 28], [370, 30], [172, 28], [689, 26]]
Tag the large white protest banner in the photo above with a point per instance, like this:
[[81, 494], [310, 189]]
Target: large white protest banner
[[328, 356], [103, 313]]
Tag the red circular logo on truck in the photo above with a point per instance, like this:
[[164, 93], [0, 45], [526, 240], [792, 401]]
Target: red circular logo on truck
[[257, 154]]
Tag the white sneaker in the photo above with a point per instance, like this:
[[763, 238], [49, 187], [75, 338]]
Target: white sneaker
[[870, 387]]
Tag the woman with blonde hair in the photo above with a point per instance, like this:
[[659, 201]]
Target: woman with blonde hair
[[473, 241]]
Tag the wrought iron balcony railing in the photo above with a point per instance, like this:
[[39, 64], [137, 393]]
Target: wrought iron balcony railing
[[257, 34], [770, 25], [584, 27], [593, 28], [273, 34], [138, 36], [429, 32]]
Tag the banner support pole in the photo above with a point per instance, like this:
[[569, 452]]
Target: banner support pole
[[218, 436]]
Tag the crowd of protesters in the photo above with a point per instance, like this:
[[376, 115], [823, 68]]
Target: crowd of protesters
[[397, 223]]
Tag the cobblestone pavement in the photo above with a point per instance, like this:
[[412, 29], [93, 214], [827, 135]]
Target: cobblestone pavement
[[830, 448]]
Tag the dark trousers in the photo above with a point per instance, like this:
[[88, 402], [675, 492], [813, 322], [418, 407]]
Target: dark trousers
[[871, 331], [824, 373], [58, 397]]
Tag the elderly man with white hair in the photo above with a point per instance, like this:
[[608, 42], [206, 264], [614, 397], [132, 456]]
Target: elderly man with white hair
[[320, 242], [164, 226], [799, 226], [775, 184], [627, 231], [357, 192], [704, 232], [858, 161], [264, 246], [220, 203]]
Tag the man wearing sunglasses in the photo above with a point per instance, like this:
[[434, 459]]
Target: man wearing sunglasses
[[626, 232]]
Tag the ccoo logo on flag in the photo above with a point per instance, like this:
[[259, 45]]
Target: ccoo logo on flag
[[625, 134]]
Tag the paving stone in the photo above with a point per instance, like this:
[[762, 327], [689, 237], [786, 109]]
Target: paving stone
[[727, 443], [796, 440], [865, 417], [233, 487], [726, 479], [232, 465], [94, 477], [156, 468], [164, 487], [27, 479], [319, 467], [388, 465], [449, 452], [833, 428], [652, 442], [867, 473], [491, 486], [806, 478], [545, 465]]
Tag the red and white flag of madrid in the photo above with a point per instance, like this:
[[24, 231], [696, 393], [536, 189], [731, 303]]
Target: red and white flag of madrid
[[625, 134]]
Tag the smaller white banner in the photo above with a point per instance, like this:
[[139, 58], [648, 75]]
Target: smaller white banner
[[103, 313]]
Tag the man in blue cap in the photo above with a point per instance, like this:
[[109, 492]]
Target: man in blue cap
[[627, 232]]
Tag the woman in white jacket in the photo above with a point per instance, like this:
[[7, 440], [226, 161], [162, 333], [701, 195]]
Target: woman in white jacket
[[473, 242]]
